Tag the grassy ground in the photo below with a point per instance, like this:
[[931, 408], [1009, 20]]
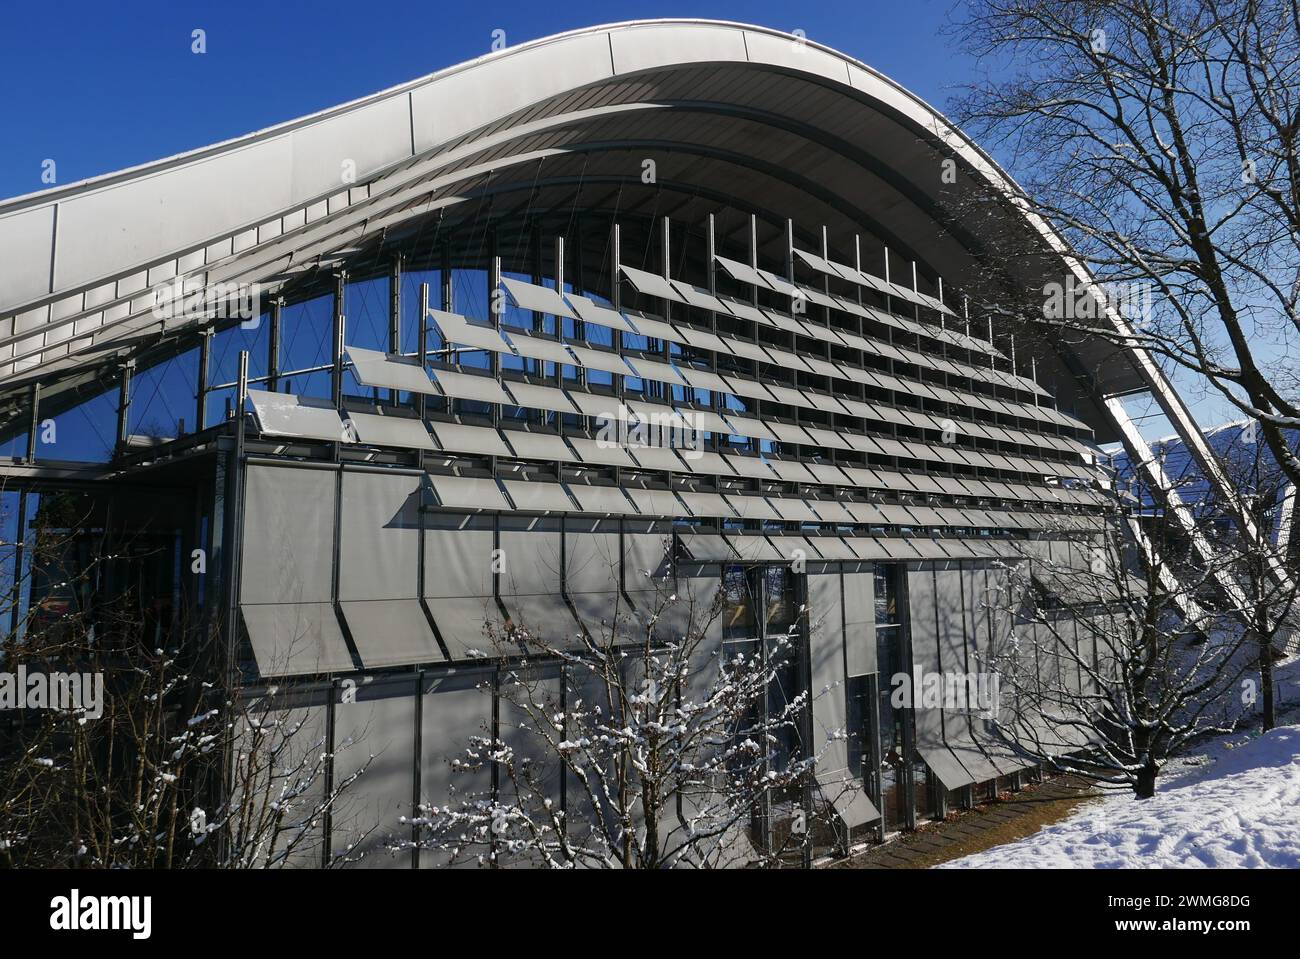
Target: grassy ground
[[1012, 817]]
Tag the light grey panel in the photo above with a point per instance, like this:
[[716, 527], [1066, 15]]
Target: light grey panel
[[297, 417], [373, 368], [540, 398], [463, 624], [650, 284], [467, 387], [26, 245], [604, 454], [754, 548], [294, 722], [540, 348], [479, 440], [706, 547], [527, 703], [391, 633], [296, 639], [455, 712], [379, 536], [601, 499], [401, 431], [376, 732], [546, 618], [752, 507], [860, 623], [924, 630], [458, 556], [591, 558], [826, 639], [538, 446], [205, 197], [459, 331], [647, 560], [605, 615], [537, 497], [288, 542], [540, 299], [468, 492], [591, 312], [473, 95], [530, 558]]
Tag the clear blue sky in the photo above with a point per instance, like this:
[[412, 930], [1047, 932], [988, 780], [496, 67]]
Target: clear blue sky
[[98, 86]]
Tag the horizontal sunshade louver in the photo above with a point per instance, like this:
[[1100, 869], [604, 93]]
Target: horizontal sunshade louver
[[457, 330], [465, 492], [464, 386], [375, 369], [401, 431], [296, 639], [539, 299], [475, 440], [297, 417]]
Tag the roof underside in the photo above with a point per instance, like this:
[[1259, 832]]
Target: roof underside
[[737, 120]]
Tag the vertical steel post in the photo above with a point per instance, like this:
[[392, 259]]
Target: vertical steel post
[[336, 375], [395, 316], [201, 393]]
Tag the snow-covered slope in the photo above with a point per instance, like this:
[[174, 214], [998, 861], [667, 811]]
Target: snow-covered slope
[[1236, 803]]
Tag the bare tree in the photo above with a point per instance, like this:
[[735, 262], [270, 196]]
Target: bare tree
[[669, 745], [1269, 615], [141, 750], [1159, 138], [1115, 663]]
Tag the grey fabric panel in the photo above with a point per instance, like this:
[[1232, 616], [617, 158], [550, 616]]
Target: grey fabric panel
[[540, 299], [539, 398], [526, 703], [538, 446], [294, 722], [536, 497], [372, 368], [703, 666], [454, 713], [979, 661], [457, 556], [547, 618], [379, 544], [296, 639], [591, 558], [847, 795], [478, 440], [402, 431], [860, 623], [297, 417], [754, 548], [288, 548], [830, 712], [391, 633], [468, 492], [708, 547], [462, 624], [530, 560], [602, 499], [375, 732], [466, 386], [924, 631], [647, 560], [605, 616]]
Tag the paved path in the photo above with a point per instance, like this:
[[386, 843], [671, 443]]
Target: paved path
[[1013, 816]]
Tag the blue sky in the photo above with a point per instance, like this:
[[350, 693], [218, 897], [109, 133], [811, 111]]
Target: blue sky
[[98, 87]]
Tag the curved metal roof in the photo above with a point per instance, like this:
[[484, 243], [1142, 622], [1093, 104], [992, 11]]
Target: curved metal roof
[[739, 114]]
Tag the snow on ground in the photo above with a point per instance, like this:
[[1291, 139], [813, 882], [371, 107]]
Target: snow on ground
[[1233, 802]]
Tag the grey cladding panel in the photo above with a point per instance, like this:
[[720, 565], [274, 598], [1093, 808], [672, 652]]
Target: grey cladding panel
[[380, 536], [375, 732], [288, 547], [860, 622], [296, 639], [458, 557], [531, 561], [391, 633]]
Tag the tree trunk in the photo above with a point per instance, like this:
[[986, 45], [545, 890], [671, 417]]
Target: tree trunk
[[1145, 787], [1268, 702]]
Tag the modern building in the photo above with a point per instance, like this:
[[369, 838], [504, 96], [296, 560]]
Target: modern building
[[358, 358]]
